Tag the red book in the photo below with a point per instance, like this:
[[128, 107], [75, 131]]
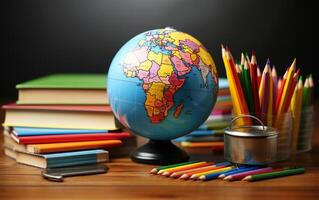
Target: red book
[[44, 139]]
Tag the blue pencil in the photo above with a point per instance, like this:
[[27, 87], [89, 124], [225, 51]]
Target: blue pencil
[[238, 170], [211, 176]]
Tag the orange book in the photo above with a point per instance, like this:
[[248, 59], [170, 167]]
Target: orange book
[[72, 146]]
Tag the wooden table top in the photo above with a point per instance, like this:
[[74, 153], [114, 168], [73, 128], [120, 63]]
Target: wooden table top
[[128, 180]]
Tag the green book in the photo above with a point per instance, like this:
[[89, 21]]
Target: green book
[[76, 89]]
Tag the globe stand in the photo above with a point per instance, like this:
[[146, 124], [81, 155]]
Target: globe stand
[[159, 153]]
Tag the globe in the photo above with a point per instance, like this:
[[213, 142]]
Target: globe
[[162, 84]]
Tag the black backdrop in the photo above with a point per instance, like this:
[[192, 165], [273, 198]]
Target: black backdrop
[[42, 37]]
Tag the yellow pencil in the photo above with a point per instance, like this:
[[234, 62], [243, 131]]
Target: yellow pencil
[[180, 167], [195, 176], [287, 87], [295, 106]]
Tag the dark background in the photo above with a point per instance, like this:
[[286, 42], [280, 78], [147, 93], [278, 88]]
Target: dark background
[[43, 37]]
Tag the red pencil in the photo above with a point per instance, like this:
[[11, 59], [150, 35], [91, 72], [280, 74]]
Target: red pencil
[[258, 76], [254, 82]]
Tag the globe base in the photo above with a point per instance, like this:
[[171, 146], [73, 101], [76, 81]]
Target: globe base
[[159, 153]]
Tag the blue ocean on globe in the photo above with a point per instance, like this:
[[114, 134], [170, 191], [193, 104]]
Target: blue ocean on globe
[[162, 84]]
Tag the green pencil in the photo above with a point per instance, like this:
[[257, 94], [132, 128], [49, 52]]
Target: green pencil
[[156, 169], [248, 89], [305, 94], [269, 175]]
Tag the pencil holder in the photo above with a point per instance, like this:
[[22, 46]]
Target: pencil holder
[[283, 124], [304, 142]]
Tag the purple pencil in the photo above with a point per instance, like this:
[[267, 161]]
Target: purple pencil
[[240, 176]]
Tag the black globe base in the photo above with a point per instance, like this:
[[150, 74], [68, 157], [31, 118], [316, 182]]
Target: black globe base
[[159, 153]]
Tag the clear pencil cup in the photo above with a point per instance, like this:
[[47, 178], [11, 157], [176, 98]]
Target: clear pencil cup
[[305, 133], [283, 123]]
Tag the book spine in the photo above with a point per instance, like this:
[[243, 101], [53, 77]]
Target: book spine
[[77, 160]]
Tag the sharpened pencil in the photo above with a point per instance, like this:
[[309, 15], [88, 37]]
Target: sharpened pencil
[[240, 176], [180, 167], [287, 172], [157, 169]]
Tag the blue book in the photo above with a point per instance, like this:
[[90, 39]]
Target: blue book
[[64, 159], [24, 131], [206, 132]]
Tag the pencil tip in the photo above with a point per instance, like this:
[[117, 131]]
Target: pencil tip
[[184, 176], [166, 174], [153, 171], [227, 178], [202, 178], [247, 178], [268, 62], [253, 53]]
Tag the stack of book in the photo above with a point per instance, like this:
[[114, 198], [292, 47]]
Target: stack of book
[[210, 133], [63, 120]]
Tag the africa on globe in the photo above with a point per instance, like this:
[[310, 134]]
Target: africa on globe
[[162, 84]]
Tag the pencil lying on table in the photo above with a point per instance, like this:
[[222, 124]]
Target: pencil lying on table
[[287, 172], [157, 169]]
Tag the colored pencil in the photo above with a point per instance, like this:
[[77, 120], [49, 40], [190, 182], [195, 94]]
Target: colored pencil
[[295, 106], [248, 88], [157, 169], [204, 169], [210, 176], [287, 172], [254, 82], [222, 174], [240, 106], [280, 91], [188, 173], [270, 87], [263, 89], [258, 76], [292, 89], [237, 170], [170, 171], [305, 93], [240, 176], [287, 87], [180, 167], [275, 82], [195, 176]]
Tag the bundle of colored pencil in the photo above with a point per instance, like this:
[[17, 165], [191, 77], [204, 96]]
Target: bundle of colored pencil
[[263, 95], [205, 171]]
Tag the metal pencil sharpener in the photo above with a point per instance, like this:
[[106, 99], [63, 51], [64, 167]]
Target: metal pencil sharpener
[[250, 145]]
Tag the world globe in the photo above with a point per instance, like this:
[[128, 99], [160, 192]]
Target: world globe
[[162, 84]]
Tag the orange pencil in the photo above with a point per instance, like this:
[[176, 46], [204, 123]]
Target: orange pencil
[[190, 171], [239, 89], [280, 90], [171, 171]]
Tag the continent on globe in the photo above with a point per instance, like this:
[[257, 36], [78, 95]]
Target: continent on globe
[[161, 61]]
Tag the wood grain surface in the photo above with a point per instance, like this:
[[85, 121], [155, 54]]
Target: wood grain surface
[[128, 180]]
